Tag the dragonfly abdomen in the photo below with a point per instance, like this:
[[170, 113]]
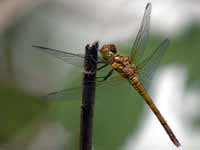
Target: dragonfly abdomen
[[135, 82]]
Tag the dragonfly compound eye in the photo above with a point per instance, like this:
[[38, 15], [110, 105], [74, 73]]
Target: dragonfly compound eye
[[113, 48], [109, 48]]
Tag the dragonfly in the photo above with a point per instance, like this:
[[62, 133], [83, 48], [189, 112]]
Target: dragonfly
[[138, 73]]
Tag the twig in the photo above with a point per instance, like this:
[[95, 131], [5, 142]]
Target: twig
[[88, 97]]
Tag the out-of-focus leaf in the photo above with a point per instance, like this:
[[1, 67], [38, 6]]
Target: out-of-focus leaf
[[17, 110]]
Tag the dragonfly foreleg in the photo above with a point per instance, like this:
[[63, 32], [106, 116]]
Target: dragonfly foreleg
[[101, 67], [104, 78], [101, 62]]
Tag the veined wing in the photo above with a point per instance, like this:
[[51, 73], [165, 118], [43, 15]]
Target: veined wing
[[141, 40], [70, 58], [75, 93], [150, 64]]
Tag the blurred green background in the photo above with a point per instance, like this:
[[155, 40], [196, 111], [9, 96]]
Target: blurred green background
[[29, 123]]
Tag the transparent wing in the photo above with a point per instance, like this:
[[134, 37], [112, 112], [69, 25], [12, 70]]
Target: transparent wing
[[66, 94], [150, 64], [141, 40], [70, 58], [75, 93]]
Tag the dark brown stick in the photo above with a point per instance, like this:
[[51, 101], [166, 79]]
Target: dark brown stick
[[88, 97]]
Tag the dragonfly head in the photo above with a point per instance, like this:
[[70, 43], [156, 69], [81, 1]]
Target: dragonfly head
[[108, 51]]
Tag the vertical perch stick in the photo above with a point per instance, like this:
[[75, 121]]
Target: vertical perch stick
[[88, 97]]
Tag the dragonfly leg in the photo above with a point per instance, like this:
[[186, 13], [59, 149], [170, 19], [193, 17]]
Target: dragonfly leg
[[101, 62], [104, 78], [101, 67], [96, 61]]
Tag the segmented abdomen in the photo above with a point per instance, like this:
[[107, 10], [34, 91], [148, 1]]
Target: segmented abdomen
[[137, 84]]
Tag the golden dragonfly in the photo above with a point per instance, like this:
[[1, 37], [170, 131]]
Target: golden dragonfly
[[129, 67]]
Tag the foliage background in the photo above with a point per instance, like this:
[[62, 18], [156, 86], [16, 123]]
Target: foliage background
[[27, 122]]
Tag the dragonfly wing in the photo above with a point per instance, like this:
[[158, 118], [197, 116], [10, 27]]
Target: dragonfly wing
[[150, 64], [70, 58], [141, 40], [66, 94], [75, 93]]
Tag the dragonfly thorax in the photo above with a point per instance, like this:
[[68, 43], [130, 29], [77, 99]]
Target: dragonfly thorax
[[123, 65], [108, 51], [119, 63]]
